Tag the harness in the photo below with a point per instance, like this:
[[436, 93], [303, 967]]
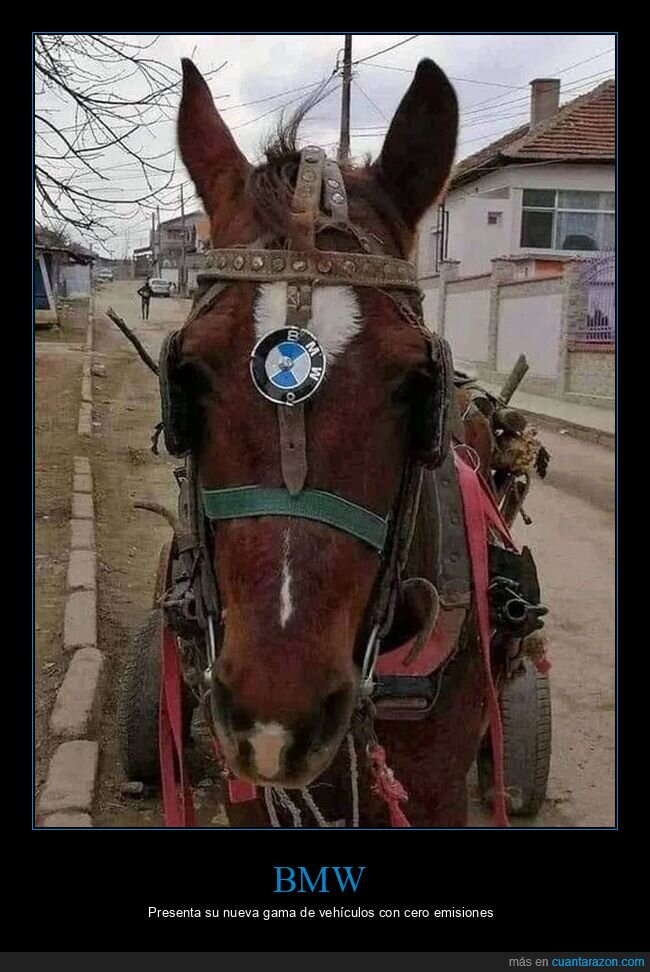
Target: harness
[[319, 202], [192, 602]]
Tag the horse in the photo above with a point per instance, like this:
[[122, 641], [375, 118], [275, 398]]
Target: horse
[[298, 636]]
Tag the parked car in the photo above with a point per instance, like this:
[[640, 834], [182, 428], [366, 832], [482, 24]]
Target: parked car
[[104, 275], [160, 287]]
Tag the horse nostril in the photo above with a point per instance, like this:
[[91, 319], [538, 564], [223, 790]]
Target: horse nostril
[[333, 712]]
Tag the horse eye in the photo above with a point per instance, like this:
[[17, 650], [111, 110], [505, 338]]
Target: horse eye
[[405, 390]]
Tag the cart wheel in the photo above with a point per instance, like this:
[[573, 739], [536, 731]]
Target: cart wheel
[[139, 703], [525, 702]]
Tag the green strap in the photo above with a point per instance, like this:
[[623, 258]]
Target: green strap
[[310, 504]]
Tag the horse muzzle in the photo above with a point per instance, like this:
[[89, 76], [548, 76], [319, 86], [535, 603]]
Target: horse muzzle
[[272, 752]]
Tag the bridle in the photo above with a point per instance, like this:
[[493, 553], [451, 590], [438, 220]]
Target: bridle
[[319, 202]]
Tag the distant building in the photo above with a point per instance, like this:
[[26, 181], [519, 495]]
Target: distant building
[[62, 269], [167, 240], [519, 257], [544, 191], [143, 262]]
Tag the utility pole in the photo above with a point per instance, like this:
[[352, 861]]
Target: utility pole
[[152, 242], [344, 142], [158, 263], [181, 283]]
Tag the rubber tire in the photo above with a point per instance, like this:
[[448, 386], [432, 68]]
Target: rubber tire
[[139, 703], [525, 703]]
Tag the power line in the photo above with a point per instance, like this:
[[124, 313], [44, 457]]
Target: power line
[[522, 110], [369, 100], [518, 101], [560, 72], [251, 121], [369, 57], [585, 61], [280, 94], [498, 84], [375, 130]]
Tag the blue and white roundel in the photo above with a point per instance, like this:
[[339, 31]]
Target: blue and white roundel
[[287, 366]]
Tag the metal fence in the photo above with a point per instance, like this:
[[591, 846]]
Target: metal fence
[[599, 322]]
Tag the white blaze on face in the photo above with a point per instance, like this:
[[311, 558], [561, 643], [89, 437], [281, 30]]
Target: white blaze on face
[[336, 316], [267, 740], [336, 319], [286, 604]]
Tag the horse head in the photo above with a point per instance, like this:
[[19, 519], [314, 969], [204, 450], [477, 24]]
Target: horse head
[[297, 592]]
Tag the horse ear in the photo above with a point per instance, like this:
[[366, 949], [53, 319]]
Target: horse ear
[[418, 150], [217, 167]]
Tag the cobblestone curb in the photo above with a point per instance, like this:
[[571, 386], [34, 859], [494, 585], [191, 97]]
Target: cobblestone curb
[[66, 801]]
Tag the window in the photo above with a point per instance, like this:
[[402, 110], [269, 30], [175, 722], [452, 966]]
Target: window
[[568, 219], [494, 219]]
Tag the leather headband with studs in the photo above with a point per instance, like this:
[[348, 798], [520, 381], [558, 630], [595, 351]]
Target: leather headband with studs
[[317, 267]]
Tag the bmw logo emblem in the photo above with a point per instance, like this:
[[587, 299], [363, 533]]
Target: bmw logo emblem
[[287, 366]]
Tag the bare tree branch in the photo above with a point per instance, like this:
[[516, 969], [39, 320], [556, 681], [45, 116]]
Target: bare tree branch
[[97, 96]]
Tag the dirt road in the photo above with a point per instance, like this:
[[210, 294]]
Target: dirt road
[[572, 536]]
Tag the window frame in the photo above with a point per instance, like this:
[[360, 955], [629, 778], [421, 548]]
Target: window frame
[[556, 210]]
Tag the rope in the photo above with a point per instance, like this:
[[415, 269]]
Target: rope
[[354, 779], [270, 809], [283, 798], [277, 794], [309, 800]]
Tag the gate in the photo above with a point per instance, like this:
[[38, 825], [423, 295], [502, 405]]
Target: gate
[[599, 279]]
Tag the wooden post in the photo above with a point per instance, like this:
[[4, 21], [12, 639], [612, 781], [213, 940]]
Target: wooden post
[[514, 379]]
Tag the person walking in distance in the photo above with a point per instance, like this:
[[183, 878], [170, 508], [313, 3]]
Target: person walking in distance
[[145, 294]]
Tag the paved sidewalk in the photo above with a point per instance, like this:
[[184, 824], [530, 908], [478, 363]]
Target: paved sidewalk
[[588, 421]]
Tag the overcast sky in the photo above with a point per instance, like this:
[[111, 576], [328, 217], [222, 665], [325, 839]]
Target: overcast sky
[[491, 74]]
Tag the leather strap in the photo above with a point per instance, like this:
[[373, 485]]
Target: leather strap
[[293, 456], [305, 204], [309, 266], [334, 194], [311, 504], [291, 418], [385, 600], [176, 791], [476, 504]]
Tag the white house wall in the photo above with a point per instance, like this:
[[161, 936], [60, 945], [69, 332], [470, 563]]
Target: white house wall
[[473, 242], [530, 325], [467, 317]]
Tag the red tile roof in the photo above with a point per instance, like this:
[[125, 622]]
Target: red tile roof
[[583, 130]]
